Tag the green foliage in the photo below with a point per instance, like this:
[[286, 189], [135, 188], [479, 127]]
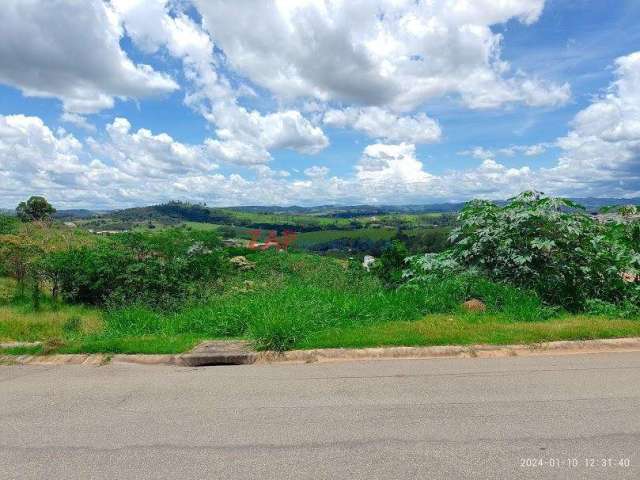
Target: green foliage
[[167, 288], [293, 296], [626, 309], [624, 228], [8, 225], [390, 265], [544, 244], [36, 208], [426, 240], [161, 270], [446, 293], [471, 330], [72, 326]]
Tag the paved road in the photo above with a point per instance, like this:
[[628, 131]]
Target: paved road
[[442, 418]]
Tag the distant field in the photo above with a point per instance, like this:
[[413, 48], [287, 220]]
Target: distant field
[[200, 217], [201, 226], [307, 239], [294, 222]]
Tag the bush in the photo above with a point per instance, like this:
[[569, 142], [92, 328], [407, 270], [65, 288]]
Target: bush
[[158, 270], [430, 240], [624, 228], [8, 225], [390, 265], [626, 309], [544, 244]]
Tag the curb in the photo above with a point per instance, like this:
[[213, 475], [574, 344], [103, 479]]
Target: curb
[[337, 354], [454, 351], [95, 359]]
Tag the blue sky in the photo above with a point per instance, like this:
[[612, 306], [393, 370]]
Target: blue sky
[[131, 102]]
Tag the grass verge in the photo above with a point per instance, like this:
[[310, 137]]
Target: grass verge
[[295, 300], [472, 330]]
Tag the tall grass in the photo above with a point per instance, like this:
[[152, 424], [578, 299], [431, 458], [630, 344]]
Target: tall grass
[[296, 300], [292, 296]]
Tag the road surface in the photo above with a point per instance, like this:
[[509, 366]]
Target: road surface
[[574, 416]]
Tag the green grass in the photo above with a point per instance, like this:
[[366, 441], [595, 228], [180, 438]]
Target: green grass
[[152, 344], [307, 239], [298, 300], [445, 329], [20, 322], [31, 350], [201, 226]]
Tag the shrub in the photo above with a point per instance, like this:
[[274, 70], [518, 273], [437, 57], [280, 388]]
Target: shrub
[[544, 244], [626, 309], [158, 270], [625, 227], [8, 225], [390, 265]]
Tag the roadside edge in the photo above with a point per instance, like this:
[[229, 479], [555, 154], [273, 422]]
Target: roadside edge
[[567, 347]]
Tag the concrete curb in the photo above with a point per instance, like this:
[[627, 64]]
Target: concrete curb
[[454, 351], [342, 354]]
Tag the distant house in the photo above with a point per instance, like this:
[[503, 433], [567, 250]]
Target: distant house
[[70, 224]]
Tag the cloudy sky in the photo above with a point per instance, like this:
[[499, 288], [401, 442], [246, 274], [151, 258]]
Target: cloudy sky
[[257, 102]]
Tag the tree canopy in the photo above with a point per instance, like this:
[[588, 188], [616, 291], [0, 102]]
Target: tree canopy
[[36, 208]]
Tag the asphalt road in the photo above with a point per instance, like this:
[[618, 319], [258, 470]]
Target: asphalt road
[[443, 418]]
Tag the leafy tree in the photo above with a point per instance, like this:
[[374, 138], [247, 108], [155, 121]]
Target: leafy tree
[[23, 253], [18, 255], [36, 208]]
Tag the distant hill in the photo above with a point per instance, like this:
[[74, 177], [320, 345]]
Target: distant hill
[[594, 204], [172, 212], [341, 211], [75, 213], [176, 212]]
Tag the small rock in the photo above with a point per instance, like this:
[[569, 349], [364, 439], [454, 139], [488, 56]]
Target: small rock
[[474, 305], [242, 263]]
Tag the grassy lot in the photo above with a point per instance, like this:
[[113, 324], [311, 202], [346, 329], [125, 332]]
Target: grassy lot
[[297, 300]]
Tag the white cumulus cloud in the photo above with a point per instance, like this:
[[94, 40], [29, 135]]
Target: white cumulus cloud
[[71, 50], [388, 53], [382, 124]]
